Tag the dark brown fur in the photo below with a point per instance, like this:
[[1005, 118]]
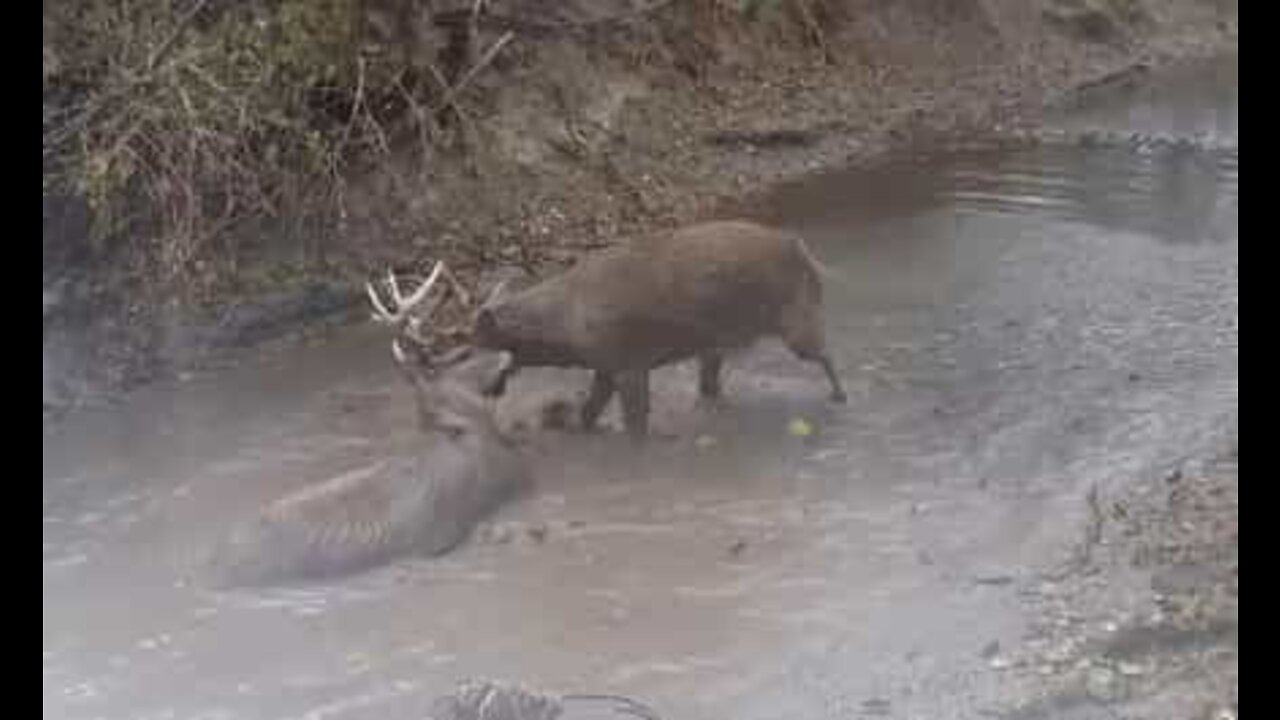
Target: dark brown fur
[[696, 292]]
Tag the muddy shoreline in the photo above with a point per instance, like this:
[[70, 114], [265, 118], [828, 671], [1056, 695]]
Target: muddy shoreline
[[1143, 620]]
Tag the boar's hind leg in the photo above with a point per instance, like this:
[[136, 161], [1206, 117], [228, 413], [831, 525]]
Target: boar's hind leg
[[633, 389], [710, 366]]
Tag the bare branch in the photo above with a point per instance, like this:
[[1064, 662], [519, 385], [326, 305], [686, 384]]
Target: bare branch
[[170, 42], [481, 64]]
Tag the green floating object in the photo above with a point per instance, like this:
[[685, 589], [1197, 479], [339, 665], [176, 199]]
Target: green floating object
[[799, 427]]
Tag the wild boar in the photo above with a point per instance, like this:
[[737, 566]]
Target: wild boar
[[696, 292]]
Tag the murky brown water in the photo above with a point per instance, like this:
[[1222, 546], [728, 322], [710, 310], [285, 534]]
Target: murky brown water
[[1013, 323]]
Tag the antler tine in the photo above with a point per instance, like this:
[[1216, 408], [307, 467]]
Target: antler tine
[[398, 353], [406, 304], [381, 313], [402, 304], [413, 331], [394, 286], [458, 289]]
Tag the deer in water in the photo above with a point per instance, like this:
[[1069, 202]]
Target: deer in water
[[696, 292], [462, 469]]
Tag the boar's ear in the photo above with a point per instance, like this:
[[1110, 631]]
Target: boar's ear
[[496, 293], [486, 323], [497, 381]]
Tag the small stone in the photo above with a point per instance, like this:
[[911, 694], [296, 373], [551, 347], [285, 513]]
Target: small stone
[[537, 533], [876, 706], [736, 549], [1131, 669], [498, 534], [1100, 684], [999, 663], [705, 441], [1060, 653], [998, 580]]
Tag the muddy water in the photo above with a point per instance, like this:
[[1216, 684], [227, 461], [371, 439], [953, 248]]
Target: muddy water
[[1015, 322]]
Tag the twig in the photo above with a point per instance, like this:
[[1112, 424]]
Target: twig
[[526, 24], [481, 64], [167, 46], [379, 134], [355, 108], [133, 79], [815, 30], [426, 123], [448, 102], [622, 704]]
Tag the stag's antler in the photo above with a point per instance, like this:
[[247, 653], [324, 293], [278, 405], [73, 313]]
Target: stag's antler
[[400, 313]]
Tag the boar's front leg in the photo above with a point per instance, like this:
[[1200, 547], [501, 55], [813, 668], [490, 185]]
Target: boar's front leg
[[602, 389]]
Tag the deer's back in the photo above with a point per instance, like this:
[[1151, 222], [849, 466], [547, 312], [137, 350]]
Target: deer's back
[[425, 505]]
